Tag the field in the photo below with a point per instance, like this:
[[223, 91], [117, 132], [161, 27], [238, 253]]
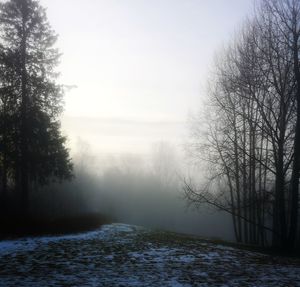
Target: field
[[126, 255]]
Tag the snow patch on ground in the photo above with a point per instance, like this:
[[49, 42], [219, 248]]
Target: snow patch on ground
[[30, 243], [125, 255]]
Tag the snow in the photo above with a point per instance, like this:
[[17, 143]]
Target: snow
[[126, 255], [186, 258], [29, 244]]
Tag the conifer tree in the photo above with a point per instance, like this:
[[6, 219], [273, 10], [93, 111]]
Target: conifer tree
[[32, 146]]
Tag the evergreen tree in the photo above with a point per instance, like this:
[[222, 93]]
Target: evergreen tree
[[32, 146]]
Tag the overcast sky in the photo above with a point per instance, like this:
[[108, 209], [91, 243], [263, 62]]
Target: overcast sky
[[140, 66]]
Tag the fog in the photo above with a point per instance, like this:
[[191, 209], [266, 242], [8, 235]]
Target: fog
[[141, 190], [134, 72], [122, 135], [149, 142]]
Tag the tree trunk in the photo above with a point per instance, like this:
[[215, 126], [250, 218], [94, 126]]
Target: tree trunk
[[294, 185], [24, 121]]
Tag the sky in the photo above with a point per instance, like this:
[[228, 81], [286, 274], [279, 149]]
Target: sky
[[138, 67]]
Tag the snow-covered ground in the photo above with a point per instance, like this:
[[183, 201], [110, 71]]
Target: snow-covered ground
[[125, 255]]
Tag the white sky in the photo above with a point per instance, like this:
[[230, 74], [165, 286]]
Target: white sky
[[140, 66]]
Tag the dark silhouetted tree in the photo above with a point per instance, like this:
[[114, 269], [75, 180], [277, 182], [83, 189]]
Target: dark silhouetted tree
[[253, 141], [32, 147]]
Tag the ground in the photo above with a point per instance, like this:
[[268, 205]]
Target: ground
[[125, 255]]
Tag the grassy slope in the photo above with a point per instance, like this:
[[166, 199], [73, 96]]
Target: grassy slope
[[124, 255]]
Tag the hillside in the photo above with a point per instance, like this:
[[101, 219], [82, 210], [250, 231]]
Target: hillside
[[125, 255]]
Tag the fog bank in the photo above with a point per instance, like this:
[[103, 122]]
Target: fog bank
[[142, 190]]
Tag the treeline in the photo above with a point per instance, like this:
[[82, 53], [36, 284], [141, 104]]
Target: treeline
[[32, 148], [253, 131]]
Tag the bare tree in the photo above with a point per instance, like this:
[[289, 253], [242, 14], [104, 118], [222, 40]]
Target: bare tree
[[254, 137]]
